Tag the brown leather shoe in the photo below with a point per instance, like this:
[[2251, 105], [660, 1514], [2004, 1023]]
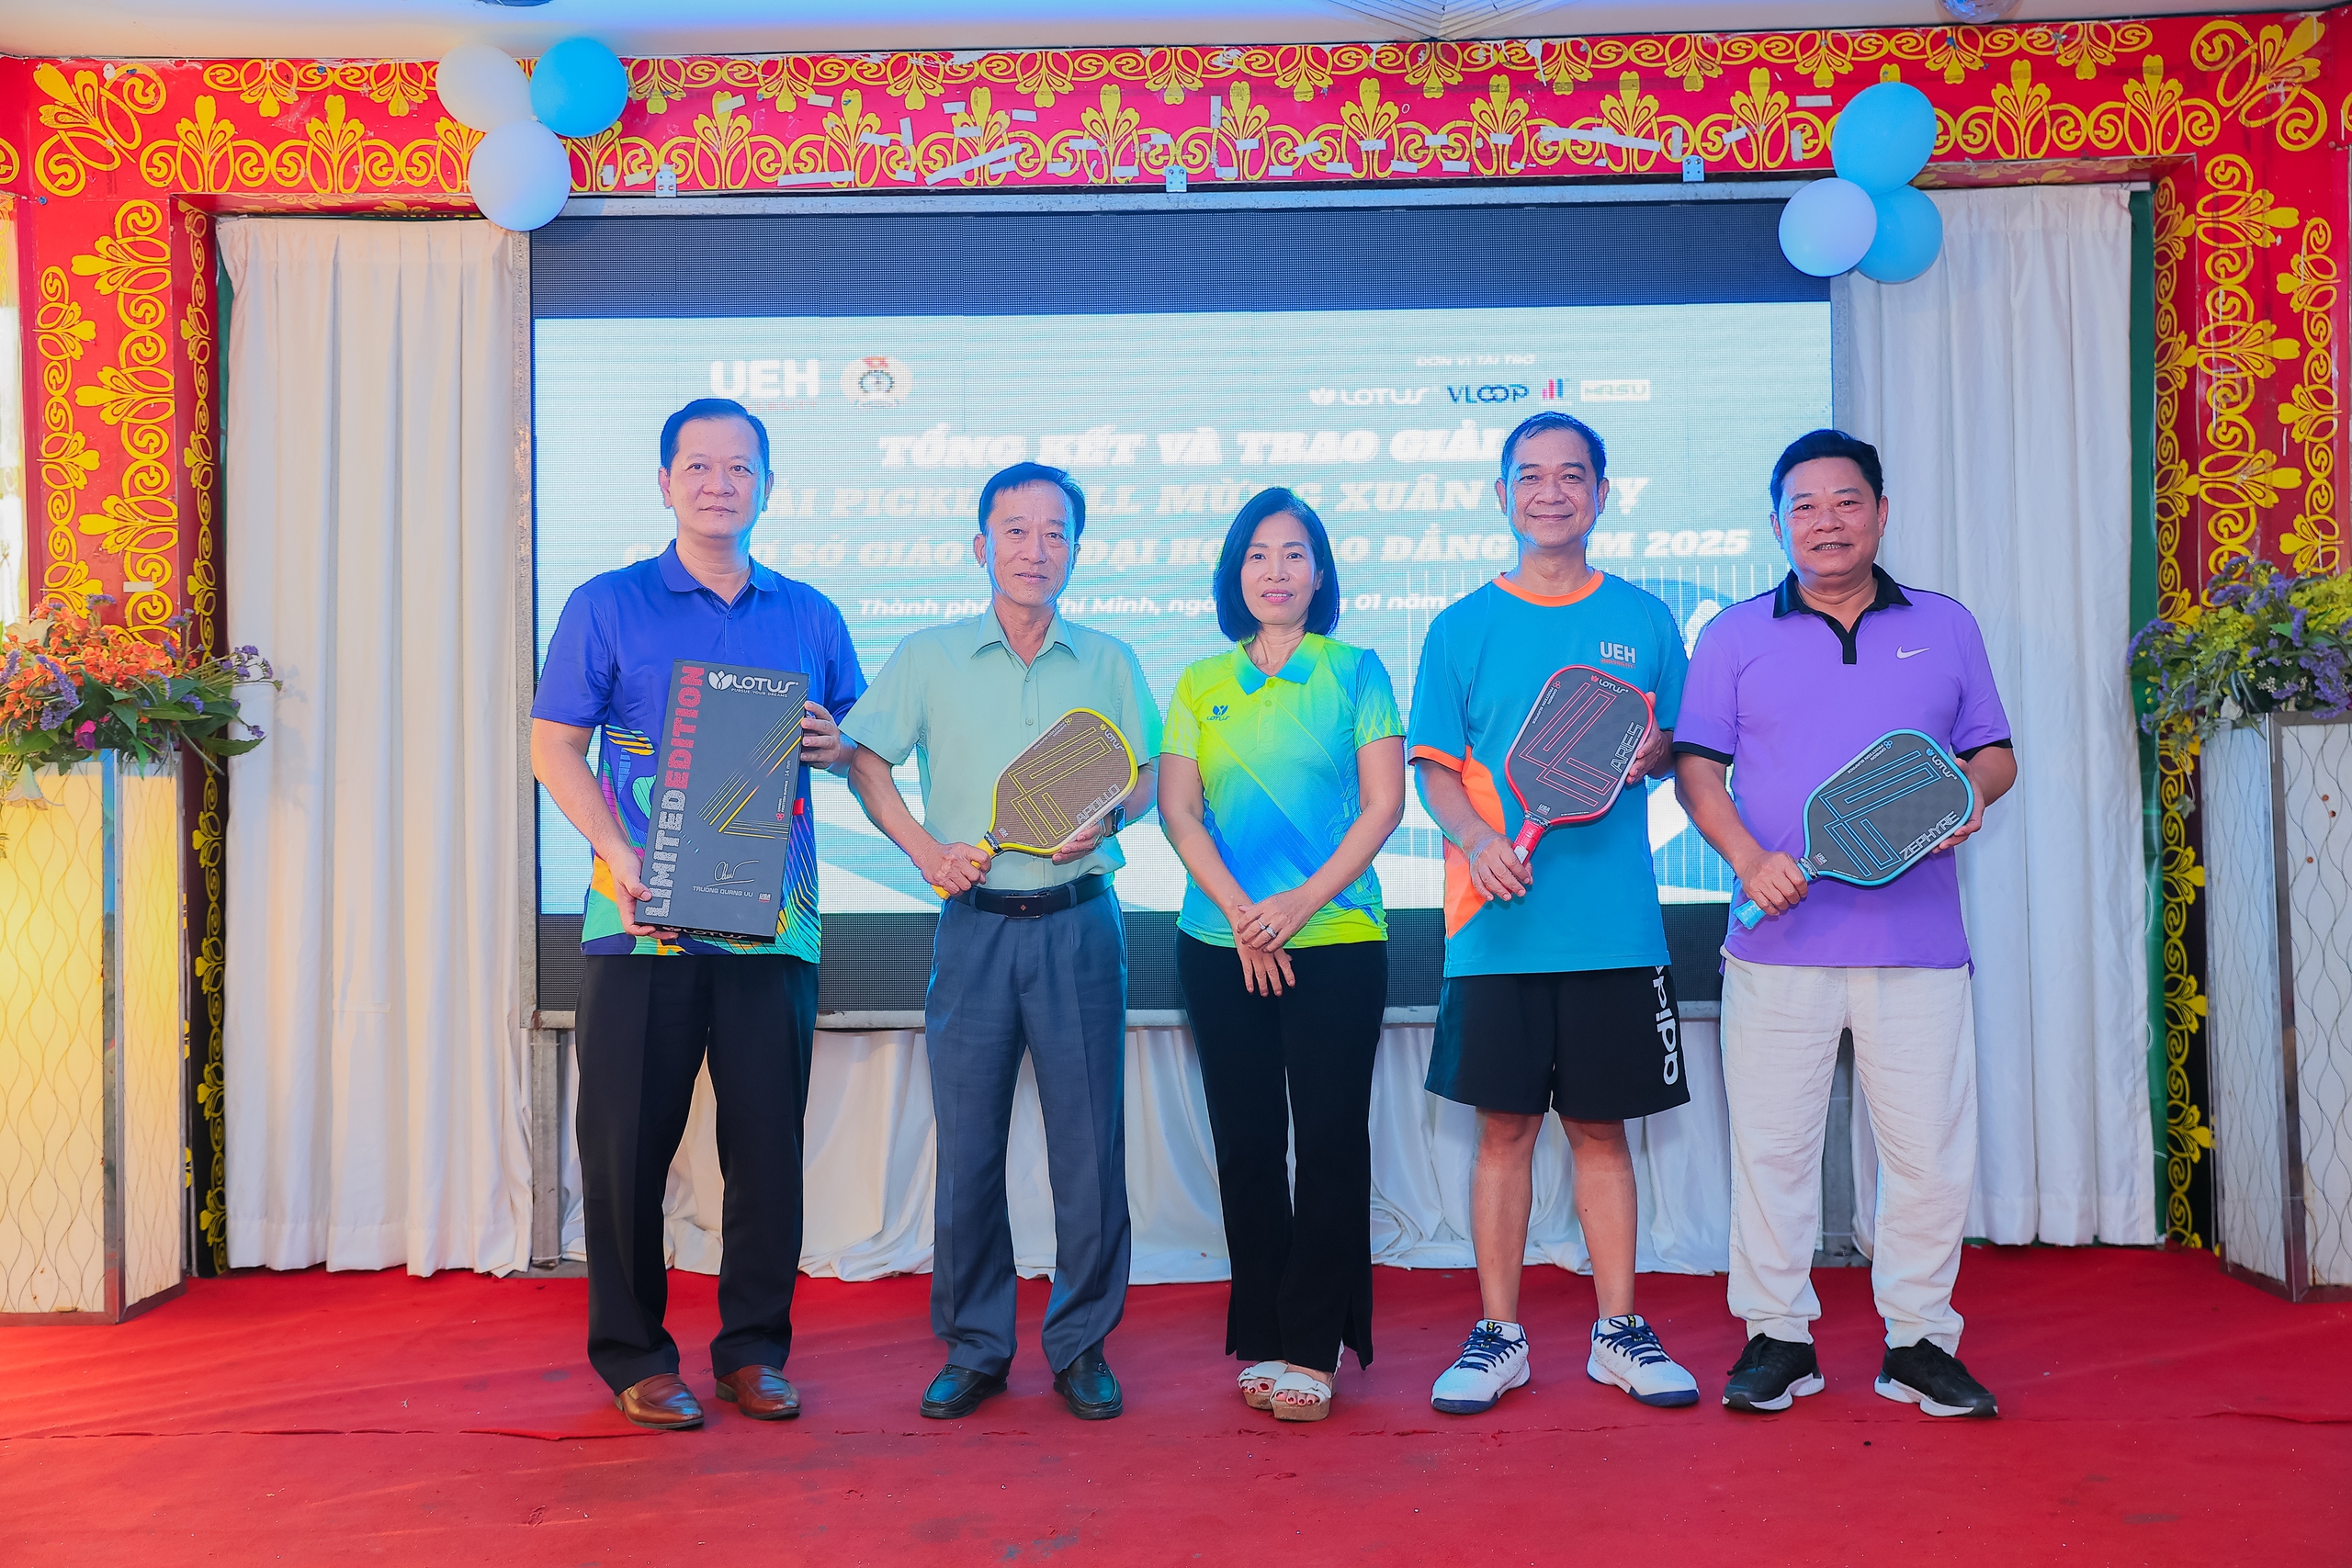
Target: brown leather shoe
[[761, 1393], [662, 1402]]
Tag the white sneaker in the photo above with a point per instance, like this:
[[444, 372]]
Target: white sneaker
[[1493, 1362], [1626, 1352]]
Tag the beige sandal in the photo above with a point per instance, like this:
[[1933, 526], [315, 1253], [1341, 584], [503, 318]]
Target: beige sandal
[[1258, 1383], [1316, 1405]]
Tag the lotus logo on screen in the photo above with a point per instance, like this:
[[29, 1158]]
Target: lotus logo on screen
[[1406, 395], [878, 381]]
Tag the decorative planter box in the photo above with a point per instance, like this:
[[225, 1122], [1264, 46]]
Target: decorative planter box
[[93, 1143], [2278, 962]]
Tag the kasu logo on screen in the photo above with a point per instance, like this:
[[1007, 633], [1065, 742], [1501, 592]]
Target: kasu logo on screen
[[878, 381]]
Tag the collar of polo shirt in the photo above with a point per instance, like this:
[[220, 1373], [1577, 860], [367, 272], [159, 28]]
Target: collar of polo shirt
[[678, 580], [1297, 668], [986, 629], [1789, 600]]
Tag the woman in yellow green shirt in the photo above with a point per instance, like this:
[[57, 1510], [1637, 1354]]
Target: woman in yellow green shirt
[[1282, 775]]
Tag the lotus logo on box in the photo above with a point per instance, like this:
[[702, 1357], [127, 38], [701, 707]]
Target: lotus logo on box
[[727, 681], [1616, 391]]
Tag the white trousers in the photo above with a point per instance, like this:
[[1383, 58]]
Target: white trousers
[[1915, 1054]]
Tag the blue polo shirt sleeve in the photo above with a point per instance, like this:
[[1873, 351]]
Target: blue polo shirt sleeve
[[1182, 735], [576, 686], [1673, 669], [1980, 721], [1708, 722], [1375, 702], [1139, 713], [889, 719], [1440, 726]]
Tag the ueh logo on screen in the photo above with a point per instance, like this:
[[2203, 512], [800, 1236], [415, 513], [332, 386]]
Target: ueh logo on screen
[[878, 381]]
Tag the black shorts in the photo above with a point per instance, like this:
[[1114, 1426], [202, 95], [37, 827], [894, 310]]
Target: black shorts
[[1594, 1045]]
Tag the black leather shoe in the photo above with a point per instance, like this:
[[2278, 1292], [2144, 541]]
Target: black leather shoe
[[1088, 1387], [956, 1392]]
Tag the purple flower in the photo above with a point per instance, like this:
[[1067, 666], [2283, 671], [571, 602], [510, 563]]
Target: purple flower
[[86, 735], [195, 702]]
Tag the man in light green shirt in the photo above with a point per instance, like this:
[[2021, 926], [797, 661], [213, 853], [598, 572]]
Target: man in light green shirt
[[1031, 952]]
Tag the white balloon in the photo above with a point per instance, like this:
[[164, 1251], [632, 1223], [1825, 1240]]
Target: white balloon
[[482, 87], [520, 174], [1828, 227]]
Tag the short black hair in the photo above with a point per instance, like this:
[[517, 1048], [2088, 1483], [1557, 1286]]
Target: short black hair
[[1022, 474], [1551, 419], [1232, 617], [1815, 443], [712, 408]]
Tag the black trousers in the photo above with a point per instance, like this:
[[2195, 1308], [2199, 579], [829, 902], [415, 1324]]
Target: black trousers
[[645, 1025], [1274, 1068]]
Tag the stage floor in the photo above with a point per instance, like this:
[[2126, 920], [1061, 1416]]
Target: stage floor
[[2152, 1412]]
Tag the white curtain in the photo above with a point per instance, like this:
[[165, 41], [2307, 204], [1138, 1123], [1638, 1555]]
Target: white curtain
[[870, 1167], [1996, 388], [374, 1050]]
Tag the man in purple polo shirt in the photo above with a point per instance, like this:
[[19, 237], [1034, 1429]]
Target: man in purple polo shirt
[[1784, 689], [654, 1004]]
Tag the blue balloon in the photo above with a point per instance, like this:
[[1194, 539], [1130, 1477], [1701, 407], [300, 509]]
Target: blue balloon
[[1883, 139], [578, 87], [1910, 232]]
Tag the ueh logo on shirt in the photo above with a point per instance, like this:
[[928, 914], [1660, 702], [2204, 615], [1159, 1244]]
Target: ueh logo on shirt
[[1618, 653], [878, 381], [1218, 712]]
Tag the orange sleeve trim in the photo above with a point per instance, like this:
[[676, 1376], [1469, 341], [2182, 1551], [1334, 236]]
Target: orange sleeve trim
[[1592, 587], [1434, 755]]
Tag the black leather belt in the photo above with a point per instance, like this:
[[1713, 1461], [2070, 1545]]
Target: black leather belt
[[1044, 901]]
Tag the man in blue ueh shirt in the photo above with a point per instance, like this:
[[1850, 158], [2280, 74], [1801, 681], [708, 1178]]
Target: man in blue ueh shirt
[[654, 1004], [1556, 997]]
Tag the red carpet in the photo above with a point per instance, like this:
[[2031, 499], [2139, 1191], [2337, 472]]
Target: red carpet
[[2153, 1412]]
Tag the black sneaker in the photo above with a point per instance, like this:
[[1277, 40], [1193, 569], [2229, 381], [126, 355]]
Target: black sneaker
[[1929, 1377], [1771, 1374]]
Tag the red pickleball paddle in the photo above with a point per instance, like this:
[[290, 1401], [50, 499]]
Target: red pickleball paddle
[[1569, 762]]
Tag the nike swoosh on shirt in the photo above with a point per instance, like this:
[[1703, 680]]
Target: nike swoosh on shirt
[[1909, 652]]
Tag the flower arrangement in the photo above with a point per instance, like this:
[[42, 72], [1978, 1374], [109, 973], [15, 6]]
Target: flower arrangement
[[2266, 641], [70, 686]]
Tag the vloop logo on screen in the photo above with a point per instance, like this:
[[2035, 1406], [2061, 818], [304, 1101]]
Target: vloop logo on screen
[[1492, 392], [1404, 395], [878, 381]]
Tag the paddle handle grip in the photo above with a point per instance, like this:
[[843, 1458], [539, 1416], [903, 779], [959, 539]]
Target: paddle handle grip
[[1531, 833], [988, 842], [1751, 912]]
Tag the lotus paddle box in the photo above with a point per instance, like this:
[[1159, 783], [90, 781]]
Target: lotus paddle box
[[719, 818]]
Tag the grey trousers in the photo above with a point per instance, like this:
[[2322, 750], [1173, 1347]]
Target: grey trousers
[[1057, 987]]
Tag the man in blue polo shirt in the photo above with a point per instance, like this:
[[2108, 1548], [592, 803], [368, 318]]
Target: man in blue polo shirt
[[654, 1004], [1786, 689], [1556, 997]]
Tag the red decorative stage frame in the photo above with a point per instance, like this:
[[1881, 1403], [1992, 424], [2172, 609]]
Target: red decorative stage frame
[[2240, 122]]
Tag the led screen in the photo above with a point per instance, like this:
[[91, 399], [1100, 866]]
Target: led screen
[[1388, 421]]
